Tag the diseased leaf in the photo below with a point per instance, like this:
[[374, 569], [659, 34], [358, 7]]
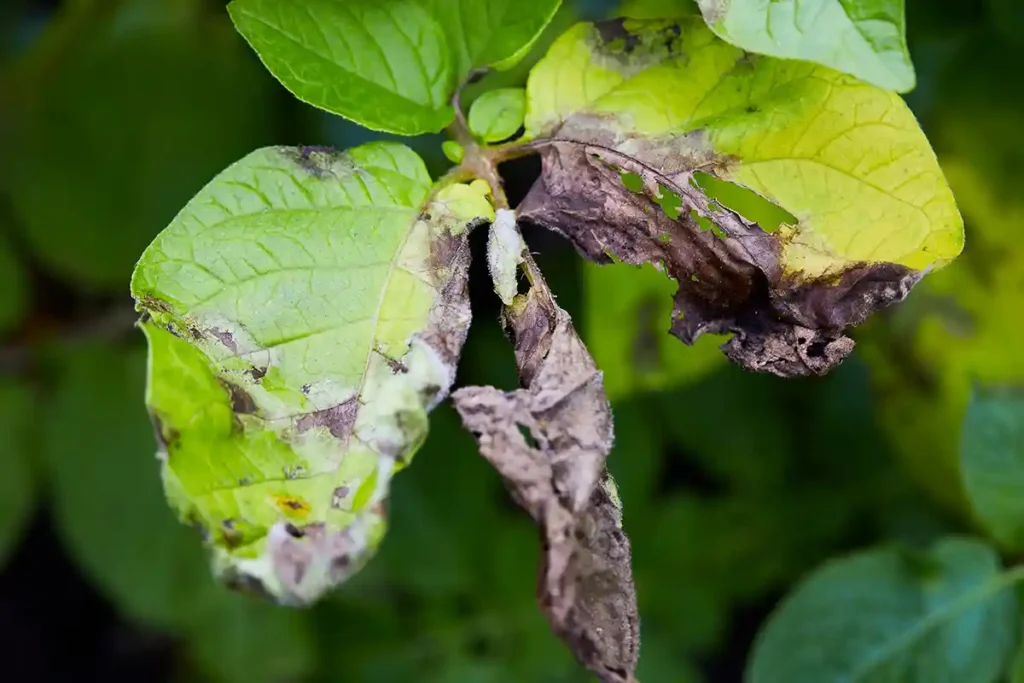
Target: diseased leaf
[[496, 33], [383, 64], [17, 479], [637, 353], [549, 442], [886, 615], [305, 310], [497, 114], [865, 38], [505, 248], [663, 100], [992, 461]]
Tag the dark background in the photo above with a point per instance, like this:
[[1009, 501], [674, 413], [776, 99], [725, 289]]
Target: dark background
[[113, 113]]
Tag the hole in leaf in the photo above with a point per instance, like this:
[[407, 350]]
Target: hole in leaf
[[632, 181], [669, 202], [528, 437], [706, 224], [747, 203]]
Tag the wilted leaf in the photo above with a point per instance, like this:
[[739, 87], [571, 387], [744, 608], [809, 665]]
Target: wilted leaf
[[637, 353], [17, 480], [497, 114], [549, 442], [307, 308], [505, 249], [13, 287], [891, 615], [127, 132], [866, 38], [626, 112], [992, 461]]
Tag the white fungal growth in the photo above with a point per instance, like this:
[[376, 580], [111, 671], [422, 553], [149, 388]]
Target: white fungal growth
[[504, 254]]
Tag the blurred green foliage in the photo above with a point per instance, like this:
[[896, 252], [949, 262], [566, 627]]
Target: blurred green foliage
[[734, 485]]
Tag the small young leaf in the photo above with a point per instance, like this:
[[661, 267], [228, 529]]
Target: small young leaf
[[17, 481], [453, 151], [497, 114], [865, 38], [306, 309], [663, 100], [495, 33], [888, 615], [992, 461], [382, 64]]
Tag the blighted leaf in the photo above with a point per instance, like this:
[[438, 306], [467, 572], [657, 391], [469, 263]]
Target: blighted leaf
[[549, 441], [992, 461], [865, 38], [305, 310], [17, 480], [497, 114], [383, 64], [637, 353], [13, 287], [627, 112], [497, 33], [891, 615], [126, 132]]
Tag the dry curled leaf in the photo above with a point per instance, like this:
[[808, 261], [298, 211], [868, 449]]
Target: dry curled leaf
[[549, 442]]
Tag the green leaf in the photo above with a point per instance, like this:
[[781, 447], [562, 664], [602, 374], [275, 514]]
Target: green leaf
[[865, 38], [657, 9], [307, 308], [497, 33], [127, 132], [992, 461], [638, 354], [497, 114], [14, 287], [98, 447], [17, 478], [384, 65], [889, 615], [662, 100], [453, 151]]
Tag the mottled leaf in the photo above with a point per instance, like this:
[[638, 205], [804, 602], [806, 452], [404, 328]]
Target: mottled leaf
[[549, 441], [992, 461], [865, 38], [887, 615], [627, 114], [305, 310], [385, 65], [497, 114], [17, 477]]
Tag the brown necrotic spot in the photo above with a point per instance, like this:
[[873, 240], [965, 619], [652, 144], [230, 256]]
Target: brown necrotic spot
[[224, 338], [292, 505], [338, 419], [230, 533], [315, 160], [241, 402], [339, 495], [256, 373]]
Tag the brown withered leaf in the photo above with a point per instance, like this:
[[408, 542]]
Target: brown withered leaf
[[549, 441], [866, 209]]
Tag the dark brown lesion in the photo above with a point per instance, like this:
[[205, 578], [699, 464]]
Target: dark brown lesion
[[338, 419], [241, 402]]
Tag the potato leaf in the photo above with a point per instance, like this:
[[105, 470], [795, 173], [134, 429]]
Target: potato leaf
[[865, 38], [304, 311], [629, 113]]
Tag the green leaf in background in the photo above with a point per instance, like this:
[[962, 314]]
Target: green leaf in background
[[14, 289], [307, 309], [129, 129], [638, 353], [496, 33], [888, 615], [657, 9], [497, 114], [992, 461], [17, 476], [383, 64], [865, 38]]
